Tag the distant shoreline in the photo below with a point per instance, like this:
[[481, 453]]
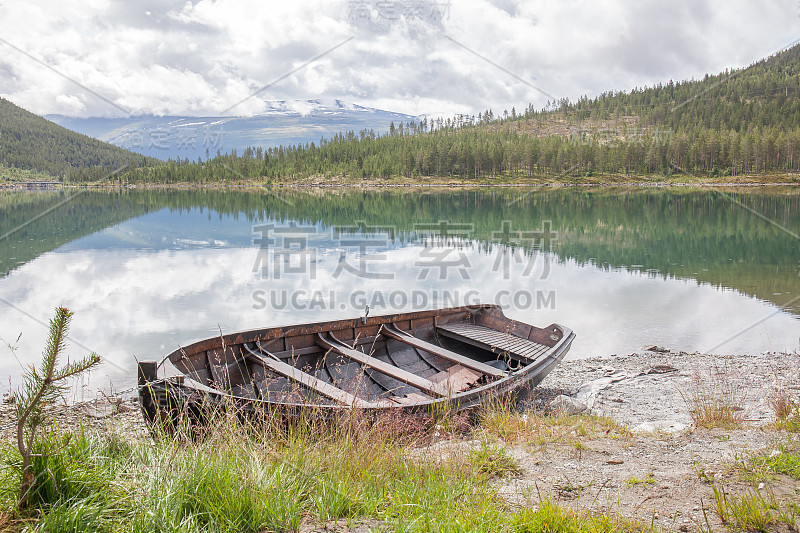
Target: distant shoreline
[[790, 181]]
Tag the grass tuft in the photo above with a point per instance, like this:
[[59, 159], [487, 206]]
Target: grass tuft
[[751, 511], [494, 461], [785, 461], [82, 514], [551, 518], [537, 429], [784, 400], [787, 412], [67, 468], [715, 401], [633, 481], [783, 404]]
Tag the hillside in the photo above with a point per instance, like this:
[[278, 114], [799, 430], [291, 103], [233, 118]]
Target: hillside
[[31, 143], [764, 95]]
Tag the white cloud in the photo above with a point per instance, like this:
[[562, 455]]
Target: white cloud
[[198, 58]]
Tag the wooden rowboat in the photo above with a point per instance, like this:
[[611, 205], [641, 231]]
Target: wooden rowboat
[[411, 361]]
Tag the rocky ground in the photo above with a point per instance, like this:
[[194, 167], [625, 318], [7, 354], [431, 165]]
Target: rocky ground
[[657, 467], [662, 472], [122, 413], [660, 469]]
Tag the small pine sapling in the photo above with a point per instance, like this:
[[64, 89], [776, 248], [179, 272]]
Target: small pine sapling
[[41, 387]]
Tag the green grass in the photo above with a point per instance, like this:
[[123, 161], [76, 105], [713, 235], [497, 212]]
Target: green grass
[[494, 461], [633, 481], [765, 465], [248, 479], [752, 511], [792, 425], [760, 510], [550, 518]]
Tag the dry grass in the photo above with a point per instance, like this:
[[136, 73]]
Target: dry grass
[[538, 429], [715, 400], [783, 404], [784, 399]]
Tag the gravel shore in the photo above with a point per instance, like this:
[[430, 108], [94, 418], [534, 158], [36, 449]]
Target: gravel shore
[[650, 393], [649, 390]]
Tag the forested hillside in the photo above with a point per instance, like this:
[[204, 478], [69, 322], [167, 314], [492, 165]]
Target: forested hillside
[[29, 142], [735, 123]]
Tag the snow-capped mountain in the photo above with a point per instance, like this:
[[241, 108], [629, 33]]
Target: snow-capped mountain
[[284, 122]]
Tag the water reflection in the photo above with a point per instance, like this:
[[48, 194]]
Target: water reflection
[[622, 279]]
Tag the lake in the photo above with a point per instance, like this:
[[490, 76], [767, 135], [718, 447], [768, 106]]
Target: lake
[[146, 271]]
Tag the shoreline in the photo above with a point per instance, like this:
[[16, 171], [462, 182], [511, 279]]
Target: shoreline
[[607, 385], [435, 183]]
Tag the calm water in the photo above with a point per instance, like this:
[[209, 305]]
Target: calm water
[[146, 271]]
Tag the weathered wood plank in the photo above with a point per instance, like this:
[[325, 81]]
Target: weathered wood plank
[[229, 372], [457, 378], [496, 341], [412, 398]]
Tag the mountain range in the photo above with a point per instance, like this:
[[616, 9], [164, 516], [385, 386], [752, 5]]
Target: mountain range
[[283, 123]]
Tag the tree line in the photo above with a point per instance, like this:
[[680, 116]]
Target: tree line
[[472, 154]]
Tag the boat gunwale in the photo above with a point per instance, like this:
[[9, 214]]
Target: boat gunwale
[[312, 328]]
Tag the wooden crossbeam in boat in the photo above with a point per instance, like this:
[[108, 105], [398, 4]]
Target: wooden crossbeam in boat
[[332, 343], [397, 334], [307, 380]]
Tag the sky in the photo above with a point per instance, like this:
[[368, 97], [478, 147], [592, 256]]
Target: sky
[[120, 58]]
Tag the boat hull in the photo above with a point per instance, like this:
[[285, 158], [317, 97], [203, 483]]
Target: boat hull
[[416, 362]]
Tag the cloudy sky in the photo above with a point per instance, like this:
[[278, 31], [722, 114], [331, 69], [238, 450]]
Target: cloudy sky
[[116, 58]]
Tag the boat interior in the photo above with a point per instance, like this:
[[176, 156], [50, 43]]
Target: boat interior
[[379, 362]]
